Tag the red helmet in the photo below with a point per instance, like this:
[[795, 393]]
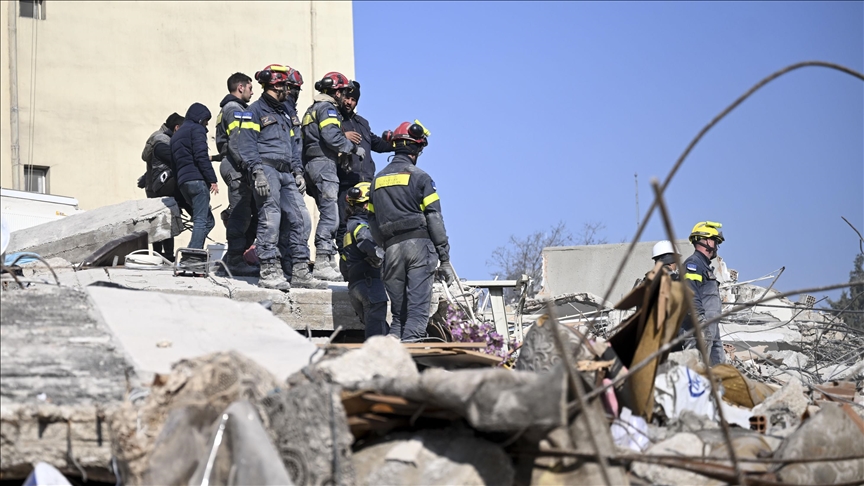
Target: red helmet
[[273, 74], [412, 132], [333, 81], [294, 77]]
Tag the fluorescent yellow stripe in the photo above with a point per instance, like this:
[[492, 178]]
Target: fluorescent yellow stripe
[[370, 208], [307, 119], [330, 121], [357, 229], [250, 126], [693, 276], [292, 132], [392, 180], [346, 240], [232, 126], [428, 200]]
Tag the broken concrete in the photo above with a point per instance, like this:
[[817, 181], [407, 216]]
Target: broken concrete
[[683, 444], [163, 329], [432, 457], [79, 235], [381, 358]]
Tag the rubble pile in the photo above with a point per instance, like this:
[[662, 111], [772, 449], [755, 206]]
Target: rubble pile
[[591, 393]]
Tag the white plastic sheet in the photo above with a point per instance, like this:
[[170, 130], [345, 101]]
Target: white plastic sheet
[[682, 389]]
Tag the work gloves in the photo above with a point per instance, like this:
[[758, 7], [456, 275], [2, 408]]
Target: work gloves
[[301, 183], [376, 260], [262, 187], [445, 271], [360, 151]]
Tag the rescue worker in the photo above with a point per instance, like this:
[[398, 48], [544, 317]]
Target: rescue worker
[[357, 130], [157, 155], [699, 274], [264, 146], [242, 222], [663, 251], [361, 264], [324, 148], [405, 219], [304, 221]]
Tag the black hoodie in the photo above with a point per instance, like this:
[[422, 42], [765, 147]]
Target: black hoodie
[[189, 147]]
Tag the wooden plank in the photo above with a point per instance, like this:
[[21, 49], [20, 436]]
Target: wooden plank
[[413, 345]]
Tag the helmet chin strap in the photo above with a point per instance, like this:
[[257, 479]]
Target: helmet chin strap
[[712, 251]]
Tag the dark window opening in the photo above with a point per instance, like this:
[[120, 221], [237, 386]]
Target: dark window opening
[[36, 179], [33, 9]]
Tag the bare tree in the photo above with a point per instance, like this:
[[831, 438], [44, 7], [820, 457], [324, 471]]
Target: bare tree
[[525, 255], [590, 234]]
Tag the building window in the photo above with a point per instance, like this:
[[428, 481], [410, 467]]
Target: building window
[[36, 179], [34, 9]]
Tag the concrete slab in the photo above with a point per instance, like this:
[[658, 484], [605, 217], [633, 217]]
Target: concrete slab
[[157, 329], [321, 310], [77, 236], [571, 269]]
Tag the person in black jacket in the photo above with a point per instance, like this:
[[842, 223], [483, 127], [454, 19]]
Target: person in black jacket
[[157, 155], [195, 175], [357, 131], [405, 219]]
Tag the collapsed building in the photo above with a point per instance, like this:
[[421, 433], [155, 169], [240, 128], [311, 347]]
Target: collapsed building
[[123, 371]]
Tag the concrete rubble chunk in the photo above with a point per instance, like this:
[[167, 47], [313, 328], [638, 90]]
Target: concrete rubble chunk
[[197, 326], [207, 385], [309, 428], [432, 457], [76, 237], [830, 433], [380, 358], [784, 408], [683, 444]]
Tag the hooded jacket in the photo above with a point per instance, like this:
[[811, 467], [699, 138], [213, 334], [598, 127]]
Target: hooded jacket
[[189, 148], [157, 154], [226, 122]]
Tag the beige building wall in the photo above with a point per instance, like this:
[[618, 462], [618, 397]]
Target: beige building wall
[[95, 79]]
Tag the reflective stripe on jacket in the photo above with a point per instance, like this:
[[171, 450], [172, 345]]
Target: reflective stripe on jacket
[[264, 133], [322, 131]]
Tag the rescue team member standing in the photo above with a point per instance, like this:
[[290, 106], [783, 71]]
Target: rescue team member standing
[[405, 219], [357, 130], [361, 264], [194, 171], [300, 238], [157, 155], [706, 238], [264, 147], [241, 224], [324, 144]]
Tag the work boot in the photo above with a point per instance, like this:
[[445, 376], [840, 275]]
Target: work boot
[[334, 263], [272, 276], [323, 270], [302, 278], [238, 266]]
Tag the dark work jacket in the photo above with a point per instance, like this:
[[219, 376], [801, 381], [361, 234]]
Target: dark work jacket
[[403, 204], [226, 122], [361, 171], [296, 158], [189, 148], [265, 134], [322, 131], [358, 248], [699, 274], [157, 154]]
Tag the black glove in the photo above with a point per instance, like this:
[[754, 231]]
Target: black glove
[[301, 183], [142, 181], [345, 163], [445, 271], [262, 187], [360, 151]]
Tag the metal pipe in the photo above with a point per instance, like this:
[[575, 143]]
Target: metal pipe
[[17, 175]]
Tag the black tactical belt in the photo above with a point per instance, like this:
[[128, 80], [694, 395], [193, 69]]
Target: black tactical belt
[[280, 166], [418, 233]]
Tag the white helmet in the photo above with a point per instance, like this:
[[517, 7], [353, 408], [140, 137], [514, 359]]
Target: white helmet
[[663, 247]]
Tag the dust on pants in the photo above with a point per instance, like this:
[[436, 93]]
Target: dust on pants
[[280, 219], [409, 267], [324, 187], [242, 222], [369, 300], [711, 334]]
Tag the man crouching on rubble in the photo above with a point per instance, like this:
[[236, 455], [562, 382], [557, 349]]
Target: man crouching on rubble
[[361, 264], [698, 272]]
